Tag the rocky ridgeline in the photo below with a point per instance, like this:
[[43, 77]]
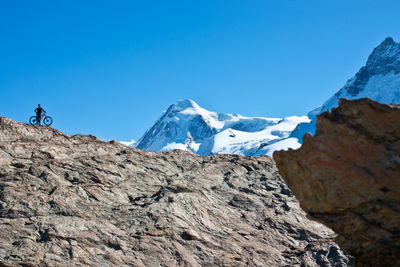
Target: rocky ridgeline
[[75, 201], [347, 176]]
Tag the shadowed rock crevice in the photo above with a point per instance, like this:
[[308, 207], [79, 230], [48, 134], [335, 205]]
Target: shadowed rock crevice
[[347, 176]]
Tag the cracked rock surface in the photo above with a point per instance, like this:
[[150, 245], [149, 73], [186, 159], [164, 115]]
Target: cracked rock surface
[[347, 176], [77, 201]]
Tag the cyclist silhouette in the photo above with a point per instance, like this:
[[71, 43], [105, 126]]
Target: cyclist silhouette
[[39, 112]]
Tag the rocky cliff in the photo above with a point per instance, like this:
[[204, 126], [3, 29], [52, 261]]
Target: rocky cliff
[[77, 201], [348, 177]]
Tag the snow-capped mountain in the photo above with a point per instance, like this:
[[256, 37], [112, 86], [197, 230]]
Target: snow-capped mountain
[[378, 80], [188, 126]]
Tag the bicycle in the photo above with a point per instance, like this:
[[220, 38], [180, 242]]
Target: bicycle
[[47, 120]]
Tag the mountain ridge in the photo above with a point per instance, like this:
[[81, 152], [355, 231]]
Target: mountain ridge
[[187, 126]]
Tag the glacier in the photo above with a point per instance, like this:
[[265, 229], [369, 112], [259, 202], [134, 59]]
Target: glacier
[[187, 126]]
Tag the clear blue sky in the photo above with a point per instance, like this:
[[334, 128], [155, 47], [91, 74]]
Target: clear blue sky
[[109, 68]]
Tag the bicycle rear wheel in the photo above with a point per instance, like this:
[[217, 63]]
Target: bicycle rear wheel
[[33, 120], [48, 120]]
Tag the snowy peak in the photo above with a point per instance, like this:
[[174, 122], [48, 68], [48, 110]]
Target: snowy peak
[[378, 80], [384, 55], [185, 109], [384, 59], [187, 126], [182, 120], [184, 104]]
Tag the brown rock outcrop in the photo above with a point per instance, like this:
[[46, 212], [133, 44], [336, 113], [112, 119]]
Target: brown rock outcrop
[[347, 176], [77, 201]]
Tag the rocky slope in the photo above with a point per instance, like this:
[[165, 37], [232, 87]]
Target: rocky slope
[[348, 177], [77, 201]]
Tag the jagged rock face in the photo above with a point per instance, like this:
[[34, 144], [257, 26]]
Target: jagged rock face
[[378, 80], [348, 177], [74, 200], [383, 60]]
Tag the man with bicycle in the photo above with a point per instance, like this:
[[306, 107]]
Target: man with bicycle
[[39, 112]]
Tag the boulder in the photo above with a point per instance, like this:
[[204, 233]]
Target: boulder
[[347, 176]]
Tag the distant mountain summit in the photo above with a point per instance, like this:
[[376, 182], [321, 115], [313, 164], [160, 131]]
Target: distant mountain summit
[[187, 126], [378, 80], [179, 126]]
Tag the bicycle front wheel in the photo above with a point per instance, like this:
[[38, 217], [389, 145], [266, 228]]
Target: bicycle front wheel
[[48, 120], [33, 120]]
